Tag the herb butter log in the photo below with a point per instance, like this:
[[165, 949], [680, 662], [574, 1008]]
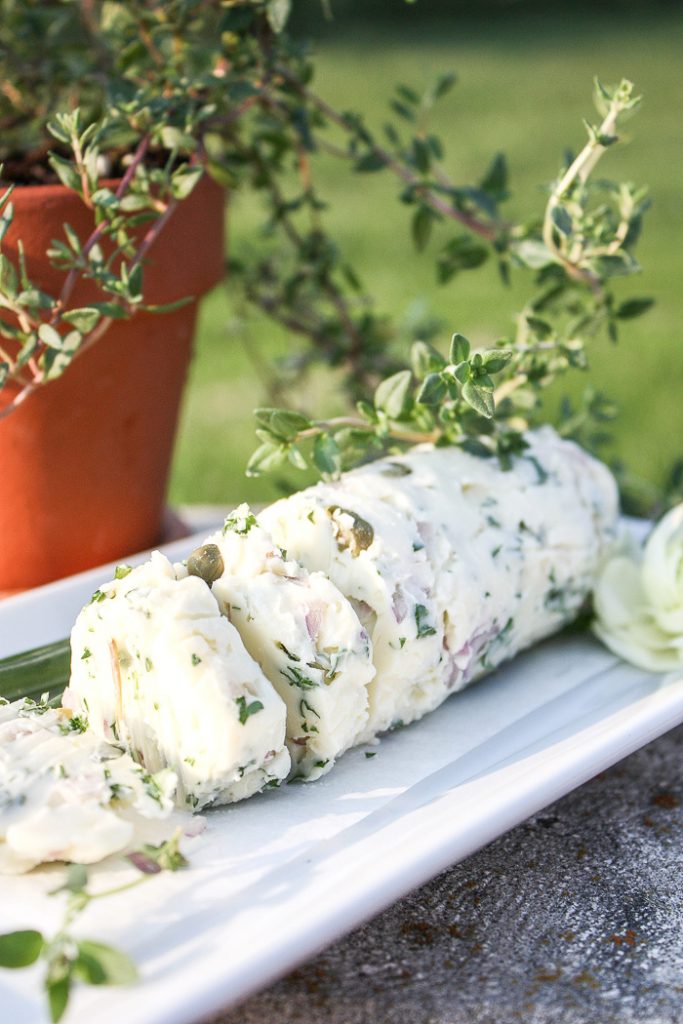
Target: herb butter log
[[156, 667], [453, 564], [304, 634]]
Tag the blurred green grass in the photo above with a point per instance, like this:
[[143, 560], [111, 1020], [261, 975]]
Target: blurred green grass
[[523, 88]]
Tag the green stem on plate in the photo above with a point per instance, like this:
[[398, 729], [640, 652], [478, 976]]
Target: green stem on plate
[[34, 672]]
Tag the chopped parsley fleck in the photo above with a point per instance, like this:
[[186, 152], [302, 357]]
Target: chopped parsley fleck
[[492, 521], [402, 641], [196, 660], [87, 653], [245, 710], [321, 764], [504, 631], [148, 664], [239, 522], [152, 787], [99, 595], [190, 760], [371, 753], [296, 677], [395, 469], [77, 723], [328, 662], [281, 647], [304, 706], [543, 475], [311, 516], [121, 571], [537, 535], [423, 626]]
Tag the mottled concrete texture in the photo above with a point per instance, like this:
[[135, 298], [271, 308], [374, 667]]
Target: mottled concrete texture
[[572, 917]]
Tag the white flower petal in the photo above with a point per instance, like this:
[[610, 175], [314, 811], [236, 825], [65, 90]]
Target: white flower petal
[[643, 646], [663, 564], [618, 594]]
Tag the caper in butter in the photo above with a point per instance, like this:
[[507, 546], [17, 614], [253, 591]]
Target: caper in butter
[[355, 538], [206, 562]]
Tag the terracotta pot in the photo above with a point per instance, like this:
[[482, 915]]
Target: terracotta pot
[[84, 461]]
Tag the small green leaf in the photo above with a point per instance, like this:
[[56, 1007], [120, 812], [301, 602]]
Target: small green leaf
[[8, 276], [421, 227], [112, 310], [296, 458], [369, 162], [424, 627], [184, 180], [496, 359], [460, 253], [404, 111], [541, 328], [444, 84], [58, 997], [433, 391], [327, 455], [245, 710], [84, 319], [617, 265], [176, 138], [50, 337], [463, 372], [422, 157], [277, 12], [105, 198], [21, 948], [533, 253], [76, 877], [459, 350], [425, 359], [133, 203], [265, 459], [408, 94], [633, 307], [282, 423], [495, 180], [478, 398], [7, 215], [105, 965], [66, 172], [393, 394], [562, 220], [602, 97]]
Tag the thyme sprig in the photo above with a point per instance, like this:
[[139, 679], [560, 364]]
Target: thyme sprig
[[69, 959], [485, 399]]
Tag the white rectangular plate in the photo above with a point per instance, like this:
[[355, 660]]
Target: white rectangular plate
[[276, 878]]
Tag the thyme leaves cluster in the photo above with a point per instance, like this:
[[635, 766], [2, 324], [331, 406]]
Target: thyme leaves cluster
[[485, 399], [68, 959], [169, 91]]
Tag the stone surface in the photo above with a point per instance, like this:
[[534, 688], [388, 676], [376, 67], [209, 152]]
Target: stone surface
[[572, 917]]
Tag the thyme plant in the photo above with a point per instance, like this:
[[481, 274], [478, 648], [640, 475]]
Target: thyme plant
[[140, 98]]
